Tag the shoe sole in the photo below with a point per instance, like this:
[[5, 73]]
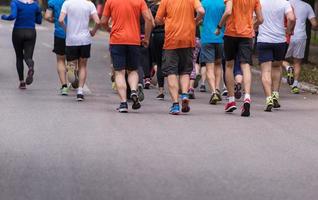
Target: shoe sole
[[197, 80], [213, 101], [276, 104], [123, 110], [290, 76], [147, 86], [161, 99], [174, 113], [136, 104], [29, 79], [64, 94], [185, 106], [79, 99], [231, 109], [269, 108], [246, 110]]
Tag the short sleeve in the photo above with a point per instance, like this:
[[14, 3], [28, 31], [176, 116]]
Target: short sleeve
[[161, 13], [197, 4], [50, 5], [143, 6], [288, 8], [92, 9], [106, 11], [65, 7], [311, 13], [257, 5]]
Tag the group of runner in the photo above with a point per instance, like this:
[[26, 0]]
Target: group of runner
[[186, 40]]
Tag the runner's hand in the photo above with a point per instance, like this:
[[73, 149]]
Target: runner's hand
[[217, 31], [92, 32], [145, 43]]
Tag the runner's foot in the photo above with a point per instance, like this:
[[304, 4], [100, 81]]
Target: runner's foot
[[123, 107], [191, 93], [214, 99], [246, 108], [238, 91], [29, 78], [136, 103], [230, 107], [160, 97], [175, 109], [290, 75], [202, 88], [22, 86], [269, 104], [185, 103]]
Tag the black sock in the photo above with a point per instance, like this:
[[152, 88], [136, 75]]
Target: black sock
[[64, 85]]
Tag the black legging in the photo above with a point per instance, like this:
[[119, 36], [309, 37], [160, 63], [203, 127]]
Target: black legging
[[24, 42], [158, 41]]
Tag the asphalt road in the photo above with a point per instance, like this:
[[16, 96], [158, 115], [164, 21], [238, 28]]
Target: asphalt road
[[53, 148]]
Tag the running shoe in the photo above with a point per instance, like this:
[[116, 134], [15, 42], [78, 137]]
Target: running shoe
[[71, 72], [238, 91], [29, 78], [295, 90], [175, 109], [75, 84], [22, 86], [275, 98], [230, 107], [147, 83], [290, 75], [214, 99], [64, 91], [79, 97], [197, 80], [136, 103], [191, 93], [160, 97], [224, 92], [218, 94], [202, 88], [185, 103], [141, 94], [246, 108], [269, 104], [123, 107]]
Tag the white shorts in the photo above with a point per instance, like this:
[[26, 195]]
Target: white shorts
[[296, 49]]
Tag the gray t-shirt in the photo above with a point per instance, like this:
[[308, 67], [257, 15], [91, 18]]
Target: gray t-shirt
[[78, 15]]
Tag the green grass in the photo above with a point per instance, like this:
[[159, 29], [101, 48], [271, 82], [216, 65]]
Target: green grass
[[4, 9], [314, 39]]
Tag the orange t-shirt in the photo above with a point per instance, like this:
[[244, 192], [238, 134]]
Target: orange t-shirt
[[240, 23], [179, 18], [125, 17]]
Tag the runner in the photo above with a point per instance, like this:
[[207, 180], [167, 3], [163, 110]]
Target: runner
[[238, 41], [26, 14], [52, 15], [212, 46], [78, 36], [297, 47], [125, 44], [272, 46], [195, 75], [180, 26], [158, 36]]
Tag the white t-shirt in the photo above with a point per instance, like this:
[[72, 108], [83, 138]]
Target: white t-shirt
[[303, 11], [78, 15], [273, 29]]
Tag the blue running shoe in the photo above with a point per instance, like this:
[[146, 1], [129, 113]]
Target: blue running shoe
[[185, 103], [175, 109]]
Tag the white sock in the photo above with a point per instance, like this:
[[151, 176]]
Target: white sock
[[296, 83], [80, 90], [231, 99], [247, 96]]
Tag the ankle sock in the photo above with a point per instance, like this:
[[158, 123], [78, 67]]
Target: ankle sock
[[231, 99], [80, 90]]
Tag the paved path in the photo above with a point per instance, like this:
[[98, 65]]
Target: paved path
[[53, 148]]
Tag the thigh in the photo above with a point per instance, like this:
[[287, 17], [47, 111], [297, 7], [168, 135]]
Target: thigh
[[118, 55], [59, 46], [72, 53], [185, 65], [218, 51], [207, 53], [265, 52], [279, 51], [300, 48], [29, 43], [134, 56], [17, 40], [85, 51], [230, 48], [170, 62], [245, 50]]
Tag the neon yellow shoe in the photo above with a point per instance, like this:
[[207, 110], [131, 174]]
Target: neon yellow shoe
[[295, 90], [275, 97], [269, 104]]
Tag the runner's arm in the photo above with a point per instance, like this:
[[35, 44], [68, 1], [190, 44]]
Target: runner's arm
[[227, 13], [105, 23], [13, 14], [291, 22], [97, 24], [200, 14], [314, 23], [148, 26], [259, 19], [61, 20], [49, 16]]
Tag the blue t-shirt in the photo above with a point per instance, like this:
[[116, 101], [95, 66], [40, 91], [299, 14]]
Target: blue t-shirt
[[25, 15], [214, 10], [56, 6]]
